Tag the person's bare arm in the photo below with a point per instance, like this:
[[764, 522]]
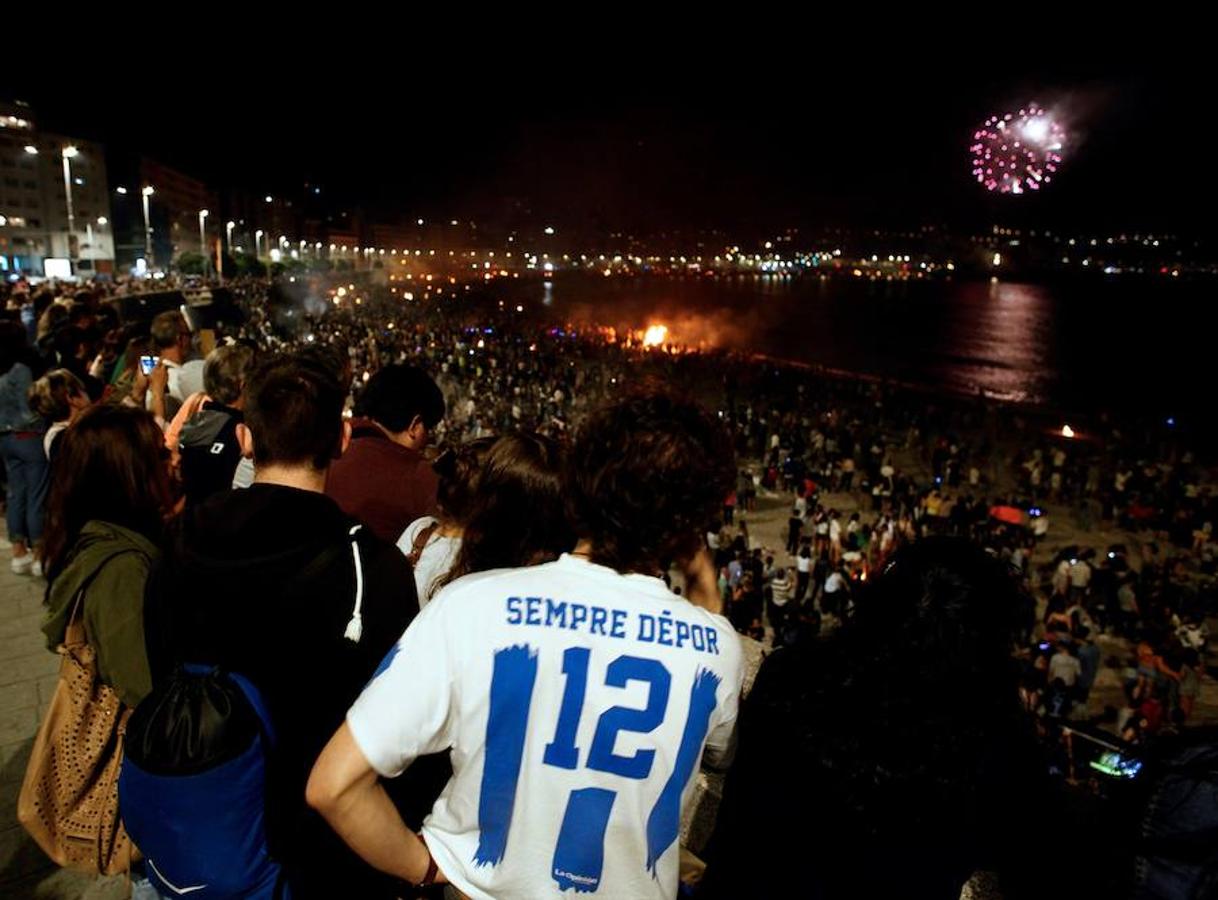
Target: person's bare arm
[[345, 789], [158, 384]]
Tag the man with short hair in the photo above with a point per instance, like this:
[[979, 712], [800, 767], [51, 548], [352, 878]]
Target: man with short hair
[[383, 479], [577, 696], [171, 340], [277, 584]]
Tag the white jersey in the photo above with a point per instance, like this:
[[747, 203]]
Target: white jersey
[[577, 702]]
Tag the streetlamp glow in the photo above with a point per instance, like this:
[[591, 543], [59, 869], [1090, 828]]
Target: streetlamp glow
[[147, 192], [203, 214], [257, 238], [121, 190], [102, 220], [31, 149], [68, 153]]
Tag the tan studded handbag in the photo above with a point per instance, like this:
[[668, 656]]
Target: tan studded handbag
[[69, 798]]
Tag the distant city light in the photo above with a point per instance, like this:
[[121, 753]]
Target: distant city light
[[549, 229]]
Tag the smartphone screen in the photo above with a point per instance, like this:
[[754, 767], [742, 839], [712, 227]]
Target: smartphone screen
[[148, 363]]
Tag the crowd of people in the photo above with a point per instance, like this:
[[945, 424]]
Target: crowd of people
[[348, 542]]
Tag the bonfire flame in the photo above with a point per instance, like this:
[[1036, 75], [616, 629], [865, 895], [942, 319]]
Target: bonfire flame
[[655, 335]]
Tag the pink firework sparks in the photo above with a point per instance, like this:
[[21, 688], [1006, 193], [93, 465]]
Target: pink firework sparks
[[1017, 152]]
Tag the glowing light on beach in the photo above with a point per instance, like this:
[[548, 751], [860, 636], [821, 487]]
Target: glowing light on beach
[[655, 335]]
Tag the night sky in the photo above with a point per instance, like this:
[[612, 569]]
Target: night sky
[[686, 135]]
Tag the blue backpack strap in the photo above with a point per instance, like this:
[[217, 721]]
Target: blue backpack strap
[[254, 696]]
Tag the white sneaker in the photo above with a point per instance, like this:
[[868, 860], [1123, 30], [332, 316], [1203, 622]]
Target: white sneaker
[[36, 568], [22, 564]]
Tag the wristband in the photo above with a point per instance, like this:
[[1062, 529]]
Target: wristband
[[432, 869]]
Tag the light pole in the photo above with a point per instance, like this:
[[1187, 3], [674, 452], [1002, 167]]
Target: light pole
[[257, 245], [228, 234], [146, 193], [68, 153], [203, 214], [101, 222]]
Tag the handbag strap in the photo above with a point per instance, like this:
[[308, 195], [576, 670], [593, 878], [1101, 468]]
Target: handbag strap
[[420, 543], [73, 632]]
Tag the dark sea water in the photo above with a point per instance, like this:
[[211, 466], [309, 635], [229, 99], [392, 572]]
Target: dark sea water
[[1127, 346]]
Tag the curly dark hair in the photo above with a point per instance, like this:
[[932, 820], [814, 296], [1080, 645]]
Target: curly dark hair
[[903, 734], [644, 476]]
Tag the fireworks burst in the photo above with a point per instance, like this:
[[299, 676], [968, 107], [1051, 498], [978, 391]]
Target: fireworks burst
[[1017, 151]]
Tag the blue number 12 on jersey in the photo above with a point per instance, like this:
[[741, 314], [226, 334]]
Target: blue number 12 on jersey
[[579, 851]]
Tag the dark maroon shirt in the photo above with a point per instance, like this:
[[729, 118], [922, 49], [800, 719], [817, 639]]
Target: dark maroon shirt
[[384, 485]]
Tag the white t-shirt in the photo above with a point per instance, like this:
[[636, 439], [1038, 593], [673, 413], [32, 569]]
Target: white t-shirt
[[437, 558], [49, 437], [243, 475], [577, 702]]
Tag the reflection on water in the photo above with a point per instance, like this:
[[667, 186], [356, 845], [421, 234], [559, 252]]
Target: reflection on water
[[1101, 344]]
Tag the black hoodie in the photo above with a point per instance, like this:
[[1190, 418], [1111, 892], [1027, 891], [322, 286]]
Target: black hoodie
[[263, 582]]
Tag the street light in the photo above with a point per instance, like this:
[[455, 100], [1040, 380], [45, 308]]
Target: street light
[[228, 233], [69, 152], [257, 238], [203, 214], [101, 220], [31, 149], [146, 193]]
